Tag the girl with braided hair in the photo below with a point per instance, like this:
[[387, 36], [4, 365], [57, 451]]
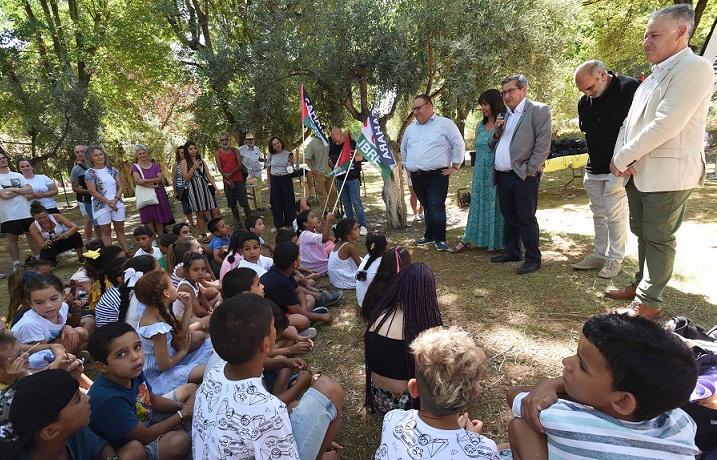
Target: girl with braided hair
[[169, 360], [391, 263], [409, 307]]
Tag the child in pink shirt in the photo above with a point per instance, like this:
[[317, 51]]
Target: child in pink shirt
[[314, 246]]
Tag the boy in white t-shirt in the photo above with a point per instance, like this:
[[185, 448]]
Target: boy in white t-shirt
[[234, 415], [619, 397], [449, 366], [144, 236], [251, 251]]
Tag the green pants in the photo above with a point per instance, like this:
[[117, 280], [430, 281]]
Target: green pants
[[655, 217]]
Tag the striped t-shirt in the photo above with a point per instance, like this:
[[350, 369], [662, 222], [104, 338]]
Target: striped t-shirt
[[107, 310], [576, 431]]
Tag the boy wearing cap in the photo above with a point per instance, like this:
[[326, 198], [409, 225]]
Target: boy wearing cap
[[45, 415], [252, 159]]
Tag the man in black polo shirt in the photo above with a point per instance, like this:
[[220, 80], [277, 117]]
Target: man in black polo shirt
[[603, 107], [351, 193]]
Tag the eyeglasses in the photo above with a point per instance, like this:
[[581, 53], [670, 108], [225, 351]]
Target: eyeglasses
[[508, 91], [417, 108]]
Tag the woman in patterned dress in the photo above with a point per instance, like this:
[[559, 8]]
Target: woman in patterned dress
[[200, 185], [485, 227]]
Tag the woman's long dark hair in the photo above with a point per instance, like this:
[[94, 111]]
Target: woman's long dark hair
[[414, 292], [388, 268], [493, 98], [187, 156]]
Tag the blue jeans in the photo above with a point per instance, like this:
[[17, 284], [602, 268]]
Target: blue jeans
[[351, 199], [431, 187]]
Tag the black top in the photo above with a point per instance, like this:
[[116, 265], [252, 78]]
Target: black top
[[280, 288], [601, 118], [335, 151], [386, 357]]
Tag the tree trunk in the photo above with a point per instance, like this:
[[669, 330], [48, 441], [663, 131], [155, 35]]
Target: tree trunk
[[392, 193]]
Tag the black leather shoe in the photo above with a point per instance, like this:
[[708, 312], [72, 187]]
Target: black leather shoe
[[503, 259], [528, 267]]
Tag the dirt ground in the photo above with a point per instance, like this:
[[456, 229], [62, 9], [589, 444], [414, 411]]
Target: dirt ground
[[526, 324]]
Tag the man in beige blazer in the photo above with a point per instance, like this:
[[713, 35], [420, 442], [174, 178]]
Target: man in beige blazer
[[660, 149]]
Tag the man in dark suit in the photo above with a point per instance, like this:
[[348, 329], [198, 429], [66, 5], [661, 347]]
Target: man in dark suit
[[522, 144]]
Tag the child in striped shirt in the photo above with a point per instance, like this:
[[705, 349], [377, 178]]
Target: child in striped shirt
[[619, 397]]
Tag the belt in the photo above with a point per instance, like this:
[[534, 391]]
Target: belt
[[432, 172], [505, 172]]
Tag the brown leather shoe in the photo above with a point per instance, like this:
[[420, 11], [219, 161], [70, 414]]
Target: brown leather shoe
[[626, 293], [637, 308]]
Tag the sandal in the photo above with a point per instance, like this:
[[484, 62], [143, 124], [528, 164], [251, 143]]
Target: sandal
[[460, 247], [329, 298]]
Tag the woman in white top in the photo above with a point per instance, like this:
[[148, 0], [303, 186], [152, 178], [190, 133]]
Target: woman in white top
[[105, 186], [376, 245], [44, 189], [54, 234], [15, 218]]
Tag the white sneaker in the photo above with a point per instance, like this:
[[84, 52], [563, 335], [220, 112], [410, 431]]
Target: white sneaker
[[363, 231], [611, 269], [16, 265], [591, 262]]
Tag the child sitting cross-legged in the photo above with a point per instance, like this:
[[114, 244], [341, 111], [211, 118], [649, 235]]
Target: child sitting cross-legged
[[251, 251], [281, 287], [449, 366], [219, 244], [243, 279], [243, 334], [45, 416], [234, 254], [124, 408], [618, 397], [172, 358]]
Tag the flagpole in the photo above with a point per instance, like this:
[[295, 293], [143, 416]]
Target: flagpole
[[345, 178], [328, 195]]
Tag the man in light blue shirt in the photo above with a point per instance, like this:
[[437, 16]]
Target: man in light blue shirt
[[432, 149], [252, 158]]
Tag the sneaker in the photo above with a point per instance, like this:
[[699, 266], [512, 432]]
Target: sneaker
[[441, 246], [16, 265], [309, 333], [363, 231], [591, 262], [418, 217], [423, 241], [3, 276], [273, 229], [320, 310], [611, 268]]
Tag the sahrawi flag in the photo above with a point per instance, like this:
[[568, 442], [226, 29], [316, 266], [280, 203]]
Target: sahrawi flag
[[309, 119], [373, 145], [343, 163]]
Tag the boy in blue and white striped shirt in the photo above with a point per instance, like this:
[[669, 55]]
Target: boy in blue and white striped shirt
[[618, 397]]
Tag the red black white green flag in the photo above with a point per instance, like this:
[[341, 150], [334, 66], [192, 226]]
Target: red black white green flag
[[309, 118], [343, 163], [373, 146]]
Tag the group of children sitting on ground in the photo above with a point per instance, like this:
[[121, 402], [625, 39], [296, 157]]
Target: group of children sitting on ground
[[193, 364]]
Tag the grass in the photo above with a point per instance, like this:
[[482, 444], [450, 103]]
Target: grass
[[526, 324]]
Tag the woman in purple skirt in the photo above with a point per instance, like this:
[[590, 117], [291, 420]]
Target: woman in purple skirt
[[149, 174]]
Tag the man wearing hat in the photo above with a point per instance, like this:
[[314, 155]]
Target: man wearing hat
[[252, 159]]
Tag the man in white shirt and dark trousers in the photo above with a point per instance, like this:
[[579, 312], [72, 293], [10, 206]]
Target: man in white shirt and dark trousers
[[523, 145], [432, 149]]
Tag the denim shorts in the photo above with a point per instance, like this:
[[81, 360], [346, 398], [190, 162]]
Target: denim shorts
[[310, 420], [86, 211]]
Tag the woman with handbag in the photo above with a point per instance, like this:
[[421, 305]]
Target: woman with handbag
[[152, 200], [105, 185], [199, 186]]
